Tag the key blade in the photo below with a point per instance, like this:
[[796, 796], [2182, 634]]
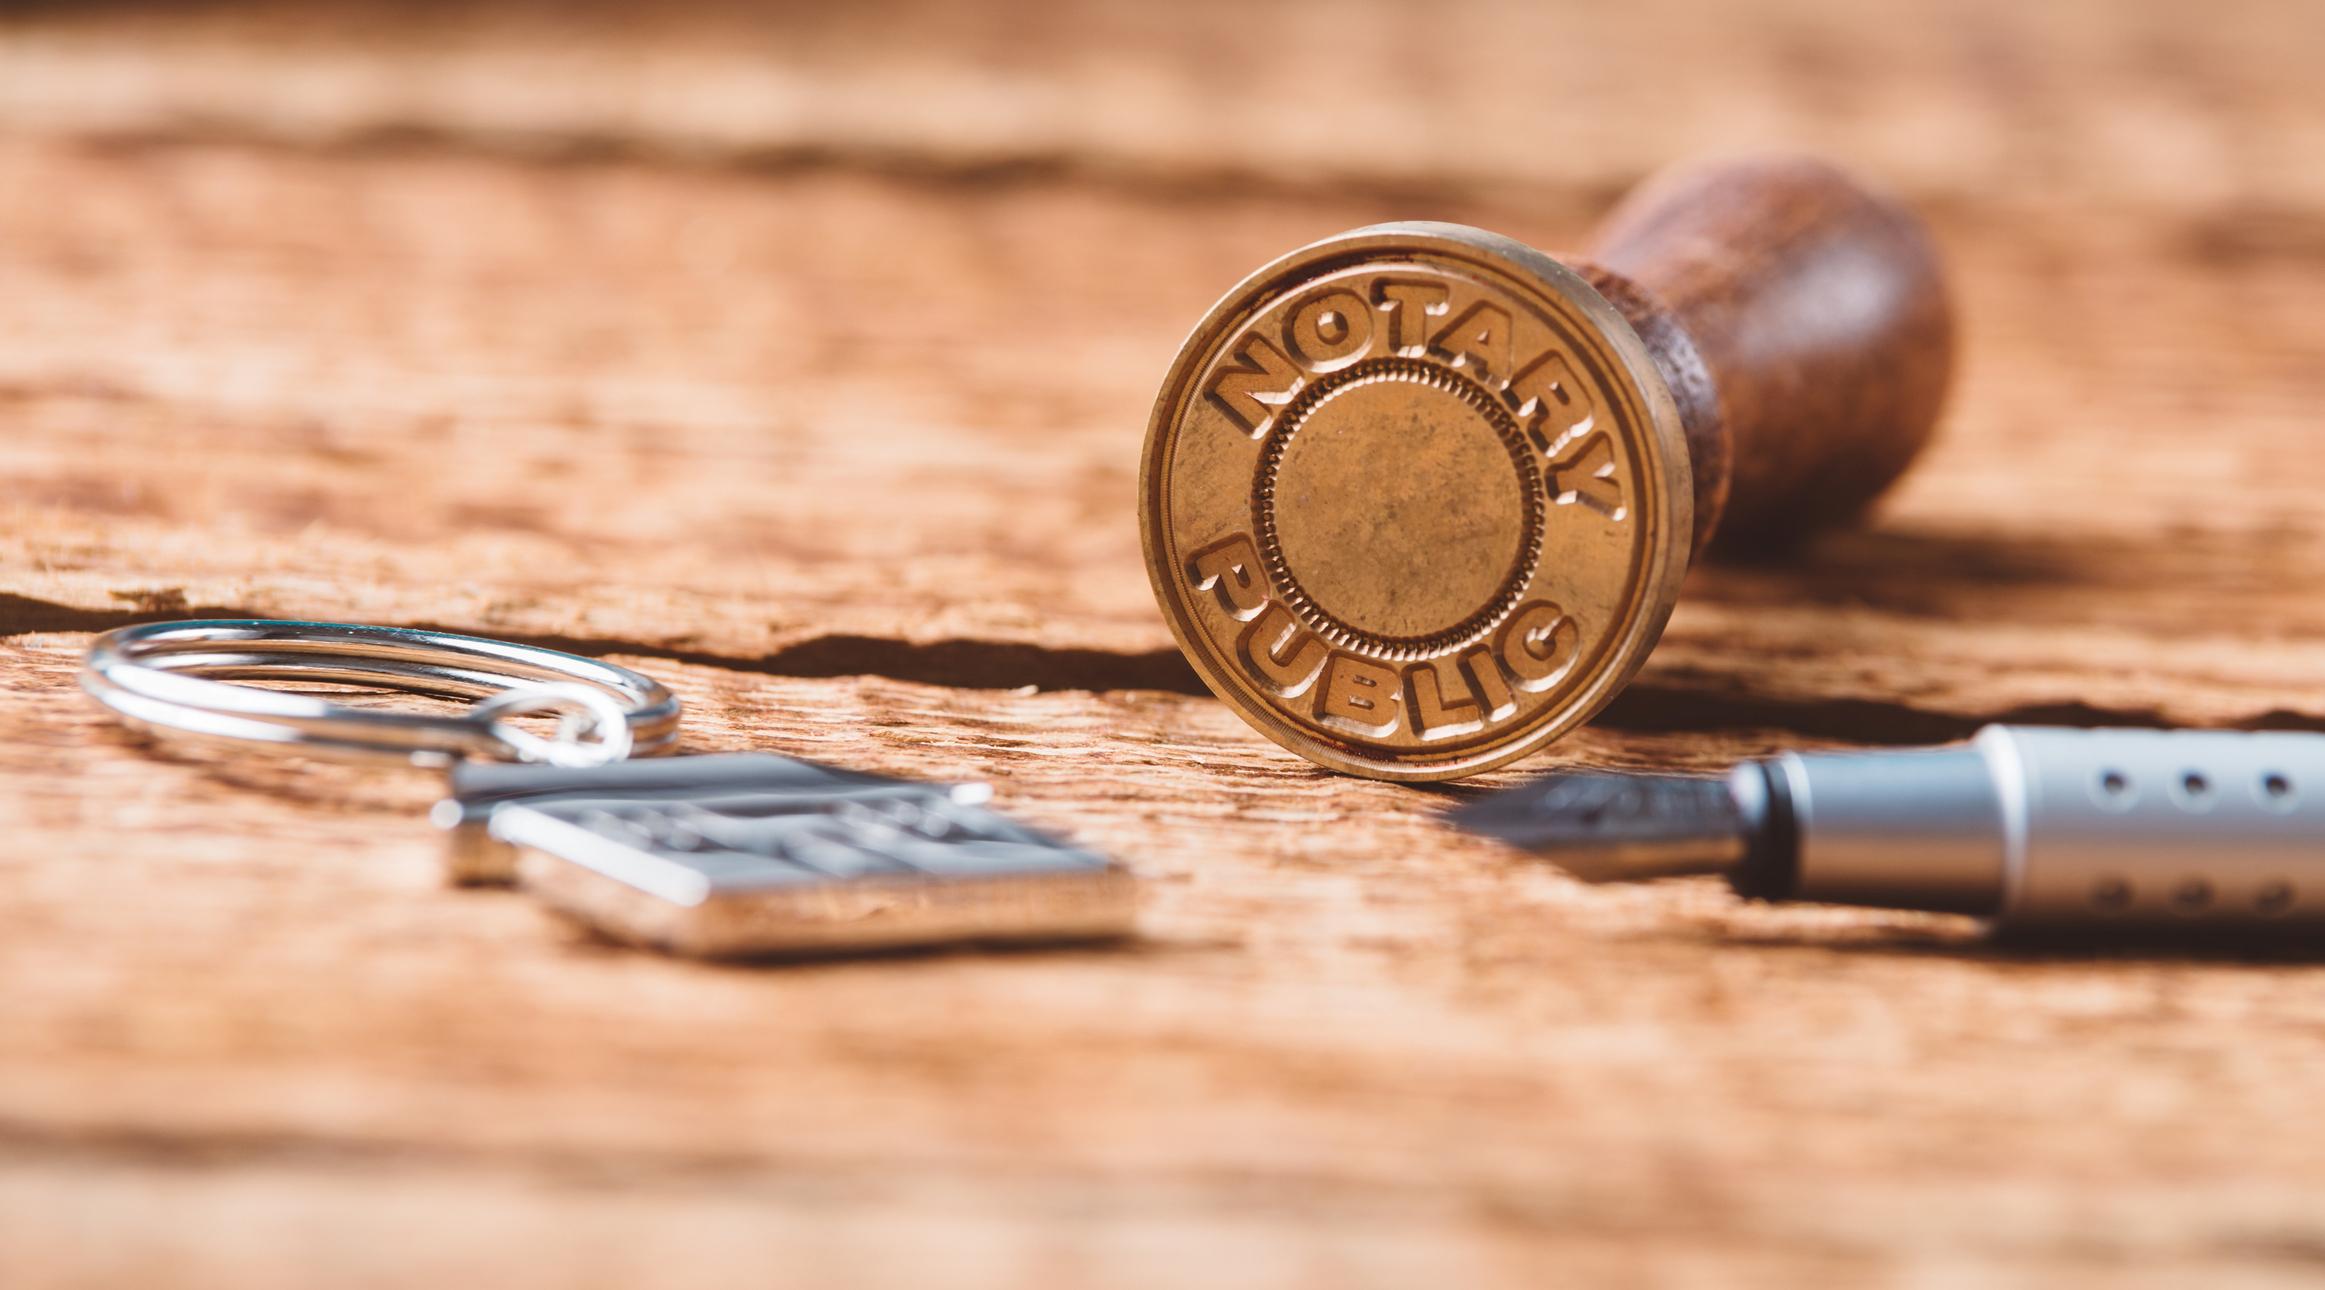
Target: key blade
[[1613, 826]]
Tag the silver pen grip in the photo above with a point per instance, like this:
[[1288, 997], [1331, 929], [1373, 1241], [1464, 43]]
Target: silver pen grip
[[2071, 828]]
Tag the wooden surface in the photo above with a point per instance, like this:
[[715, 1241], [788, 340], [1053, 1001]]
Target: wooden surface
[[802, 359]]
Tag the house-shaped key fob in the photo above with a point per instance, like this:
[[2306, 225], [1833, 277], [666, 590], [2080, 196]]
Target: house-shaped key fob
[[753, 854]]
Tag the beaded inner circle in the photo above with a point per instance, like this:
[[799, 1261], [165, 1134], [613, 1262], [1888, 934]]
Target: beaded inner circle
[[1474, 397]]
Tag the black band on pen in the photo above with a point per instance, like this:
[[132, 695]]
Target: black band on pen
[[1771, 864]]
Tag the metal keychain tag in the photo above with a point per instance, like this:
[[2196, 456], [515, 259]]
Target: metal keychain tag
[[752, 854], [723, 856]]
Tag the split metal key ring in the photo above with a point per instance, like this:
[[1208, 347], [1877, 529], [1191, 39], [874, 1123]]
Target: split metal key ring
[[172, 678]]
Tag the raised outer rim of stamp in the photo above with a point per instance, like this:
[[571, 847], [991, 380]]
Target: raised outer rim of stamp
[[1667, 511]]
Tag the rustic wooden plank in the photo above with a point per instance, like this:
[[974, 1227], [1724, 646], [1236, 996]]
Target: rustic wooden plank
[[711, 416], [1335, 1013], [2104, 99], [844, 448]]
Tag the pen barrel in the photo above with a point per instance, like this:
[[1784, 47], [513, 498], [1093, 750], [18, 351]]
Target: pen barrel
[[1918, 829], [2179, 828], [2070, 829]]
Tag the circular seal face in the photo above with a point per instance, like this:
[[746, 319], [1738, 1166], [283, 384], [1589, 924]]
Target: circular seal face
[[1415, 501]]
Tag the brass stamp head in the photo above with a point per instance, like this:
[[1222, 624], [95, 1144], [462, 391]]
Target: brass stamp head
[[1416, 500]]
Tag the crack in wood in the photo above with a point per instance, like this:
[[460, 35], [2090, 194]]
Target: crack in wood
[[1646, 707], [1181, 181]]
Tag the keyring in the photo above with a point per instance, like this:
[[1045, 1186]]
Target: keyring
[[171, 678], [724, 856]]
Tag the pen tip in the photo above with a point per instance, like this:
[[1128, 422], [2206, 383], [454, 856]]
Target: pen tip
[[1614, 826]]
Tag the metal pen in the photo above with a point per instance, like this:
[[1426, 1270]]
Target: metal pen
[[2027, 826]]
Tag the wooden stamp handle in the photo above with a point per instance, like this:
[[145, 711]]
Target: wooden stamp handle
[[1802, 324]]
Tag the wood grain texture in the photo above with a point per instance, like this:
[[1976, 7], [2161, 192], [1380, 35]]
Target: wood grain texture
[[807, 371]]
